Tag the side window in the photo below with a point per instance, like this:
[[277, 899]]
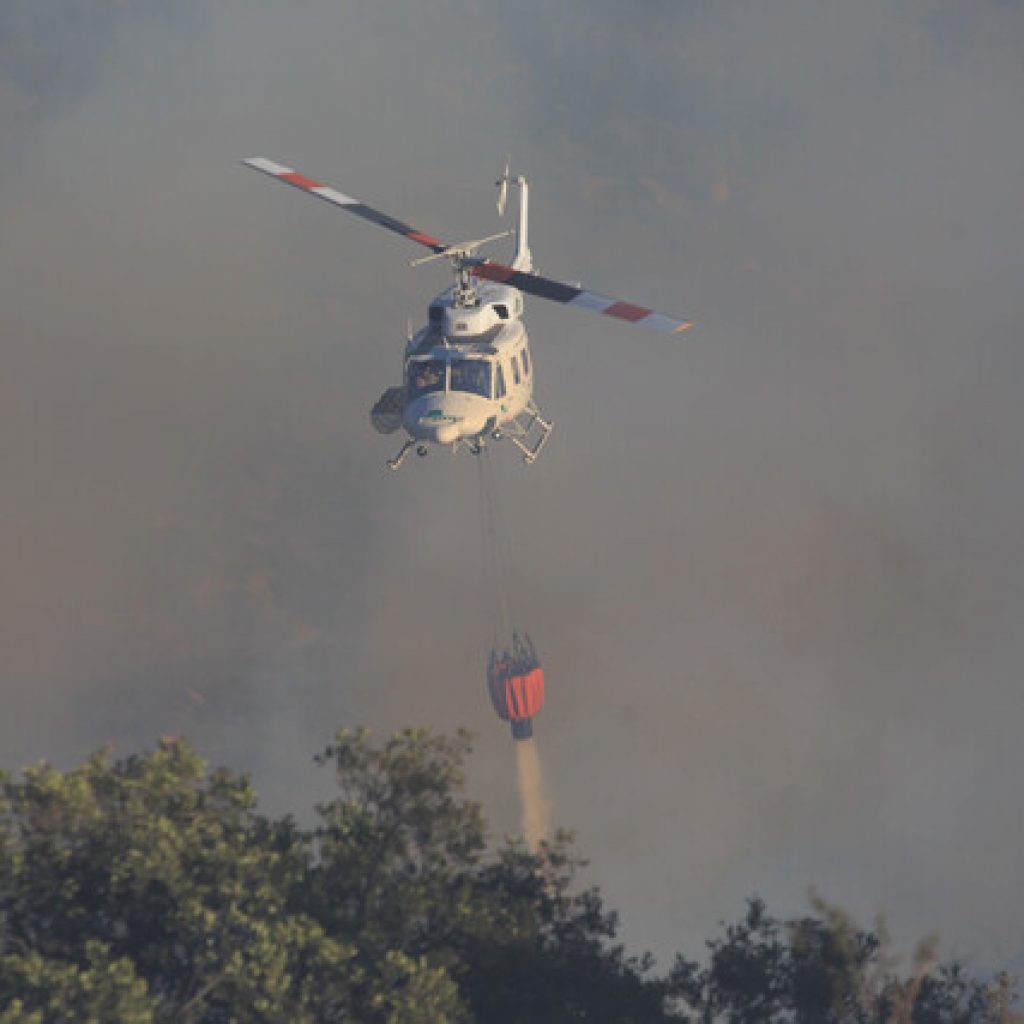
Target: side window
[[526, 364], [499, 382], [515, 369], [502, 310]]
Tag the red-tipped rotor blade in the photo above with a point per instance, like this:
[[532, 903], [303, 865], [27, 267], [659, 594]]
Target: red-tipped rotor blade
[[332, 195]]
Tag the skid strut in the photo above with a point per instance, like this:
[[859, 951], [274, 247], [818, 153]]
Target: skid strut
[[400, 457]]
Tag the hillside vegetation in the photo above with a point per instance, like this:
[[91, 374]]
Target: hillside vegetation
[[149, 889]]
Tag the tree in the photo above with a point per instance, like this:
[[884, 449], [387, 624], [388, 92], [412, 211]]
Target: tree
[[158, 888], [403, 864], [150, 860], [826, 969], [34, 989], [149, 890]]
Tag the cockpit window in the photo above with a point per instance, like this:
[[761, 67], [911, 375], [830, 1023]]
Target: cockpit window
[[425, 376], [473, 375]]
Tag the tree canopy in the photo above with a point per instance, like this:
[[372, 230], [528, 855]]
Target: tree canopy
[[149, 889]]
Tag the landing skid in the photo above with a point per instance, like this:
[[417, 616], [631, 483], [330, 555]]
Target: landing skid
[[528, 431]]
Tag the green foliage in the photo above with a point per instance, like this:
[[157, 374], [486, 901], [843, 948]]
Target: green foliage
[[402, 866], [150, 890], [169, 869], [825, 969], [35, 990]]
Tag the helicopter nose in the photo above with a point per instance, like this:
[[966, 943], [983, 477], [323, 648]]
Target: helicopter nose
[[443, 420], [447, 433], [434, 430]]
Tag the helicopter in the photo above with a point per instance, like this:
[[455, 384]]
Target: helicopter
[[468, 375]]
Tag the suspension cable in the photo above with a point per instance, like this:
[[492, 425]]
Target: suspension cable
[[496, 550]]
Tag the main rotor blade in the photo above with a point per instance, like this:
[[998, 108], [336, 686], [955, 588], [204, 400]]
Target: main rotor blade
[[332, 195], [571, 295]]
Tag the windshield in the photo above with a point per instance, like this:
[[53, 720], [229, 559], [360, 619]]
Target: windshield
[[425, 376], [473, 375]]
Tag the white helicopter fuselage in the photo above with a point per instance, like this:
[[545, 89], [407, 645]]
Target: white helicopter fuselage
[[468, 373]]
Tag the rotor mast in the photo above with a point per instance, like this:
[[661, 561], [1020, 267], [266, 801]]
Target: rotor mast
[[464, 295], [460, 255]]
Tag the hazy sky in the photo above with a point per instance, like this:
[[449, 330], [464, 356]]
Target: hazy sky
[[773, 568]]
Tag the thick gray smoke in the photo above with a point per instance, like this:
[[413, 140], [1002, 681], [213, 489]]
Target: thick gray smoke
[[773, 569]]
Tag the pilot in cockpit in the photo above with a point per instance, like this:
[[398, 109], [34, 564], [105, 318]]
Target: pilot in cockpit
[[427, 378]]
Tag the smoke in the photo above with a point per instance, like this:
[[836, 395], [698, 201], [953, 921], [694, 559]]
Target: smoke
[[533, 793], [776, 566]]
